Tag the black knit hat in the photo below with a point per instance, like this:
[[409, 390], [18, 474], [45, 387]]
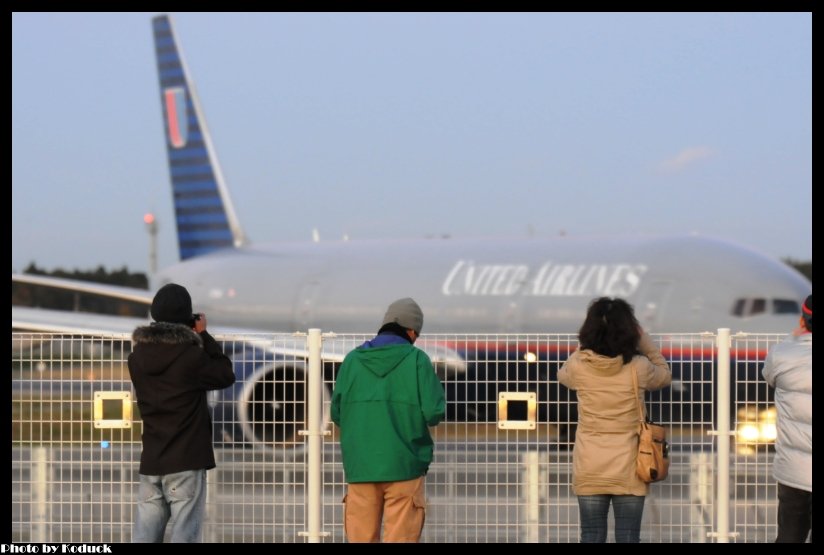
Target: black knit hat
[[172, 304]]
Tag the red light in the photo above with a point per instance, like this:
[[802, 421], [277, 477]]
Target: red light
[[148, 218]]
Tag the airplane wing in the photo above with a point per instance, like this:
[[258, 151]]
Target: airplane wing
[[75, 323], [88, 324], [114, 291], [83, 323]]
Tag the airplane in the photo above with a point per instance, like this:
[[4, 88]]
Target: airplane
[[677, 284]]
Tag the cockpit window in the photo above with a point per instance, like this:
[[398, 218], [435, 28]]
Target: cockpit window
[[752, 306], [758, 306], [738, 307], [785, 306]]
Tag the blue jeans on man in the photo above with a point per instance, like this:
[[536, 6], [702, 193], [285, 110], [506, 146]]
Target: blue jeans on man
[[178, 499], [594, 510]]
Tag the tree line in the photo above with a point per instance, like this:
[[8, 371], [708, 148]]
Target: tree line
[[805, 268]]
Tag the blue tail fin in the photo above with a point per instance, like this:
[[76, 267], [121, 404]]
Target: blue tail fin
[[204, 215]]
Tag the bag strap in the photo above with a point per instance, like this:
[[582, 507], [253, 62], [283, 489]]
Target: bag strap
[[641, 417]]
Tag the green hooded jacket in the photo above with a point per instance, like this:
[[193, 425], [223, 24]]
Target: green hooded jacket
[[384, 400]]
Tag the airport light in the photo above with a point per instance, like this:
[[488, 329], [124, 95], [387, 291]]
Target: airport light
[[151, 227], [755, 426]]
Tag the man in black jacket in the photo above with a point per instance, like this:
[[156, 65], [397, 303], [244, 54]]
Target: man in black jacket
[[173, 364]]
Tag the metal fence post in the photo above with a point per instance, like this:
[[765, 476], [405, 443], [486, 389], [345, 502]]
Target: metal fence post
[[40, 495], [723, 403], [314, 410], [530, 491], [700, 496]]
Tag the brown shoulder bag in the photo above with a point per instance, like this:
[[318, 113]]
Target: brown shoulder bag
[[652, 463]]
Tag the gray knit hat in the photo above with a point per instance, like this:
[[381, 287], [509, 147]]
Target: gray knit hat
[[173, 304], [406, 313]]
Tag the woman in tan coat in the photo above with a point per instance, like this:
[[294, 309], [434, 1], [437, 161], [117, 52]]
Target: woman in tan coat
[[612, 345]]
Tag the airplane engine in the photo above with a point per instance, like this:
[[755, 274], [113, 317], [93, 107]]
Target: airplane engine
[[266, 407]]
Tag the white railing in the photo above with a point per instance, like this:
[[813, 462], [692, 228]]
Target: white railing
[[76, 447]]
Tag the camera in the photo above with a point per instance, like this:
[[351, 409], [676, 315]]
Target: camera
[[194, 320]]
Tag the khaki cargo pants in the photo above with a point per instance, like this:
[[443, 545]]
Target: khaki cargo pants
[[400, 505]]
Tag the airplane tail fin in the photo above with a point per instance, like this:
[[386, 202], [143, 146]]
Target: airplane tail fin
[[204, 214]]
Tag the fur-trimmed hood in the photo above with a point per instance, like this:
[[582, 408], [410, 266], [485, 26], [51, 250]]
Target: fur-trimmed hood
[[166, 333]]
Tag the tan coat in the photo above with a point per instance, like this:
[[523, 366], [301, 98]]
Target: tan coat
[[607, 438]]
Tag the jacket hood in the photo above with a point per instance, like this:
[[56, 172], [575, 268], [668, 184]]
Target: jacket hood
[[158, 346], [382, 361], [168, 334], [608, 366]]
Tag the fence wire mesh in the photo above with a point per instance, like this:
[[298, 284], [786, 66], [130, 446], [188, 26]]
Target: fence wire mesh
[[76, 441]]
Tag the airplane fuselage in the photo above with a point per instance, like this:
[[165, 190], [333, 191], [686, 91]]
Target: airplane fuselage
[[677, 284]]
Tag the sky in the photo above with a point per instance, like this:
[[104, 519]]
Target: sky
[[390, 125]]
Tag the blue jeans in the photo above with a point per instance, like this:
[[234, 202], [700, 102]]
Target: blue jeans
[[627, 509], [179, 498]]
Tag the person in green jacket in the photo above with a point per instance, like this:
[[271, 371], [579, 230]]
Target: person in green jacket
[[386, 395]]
